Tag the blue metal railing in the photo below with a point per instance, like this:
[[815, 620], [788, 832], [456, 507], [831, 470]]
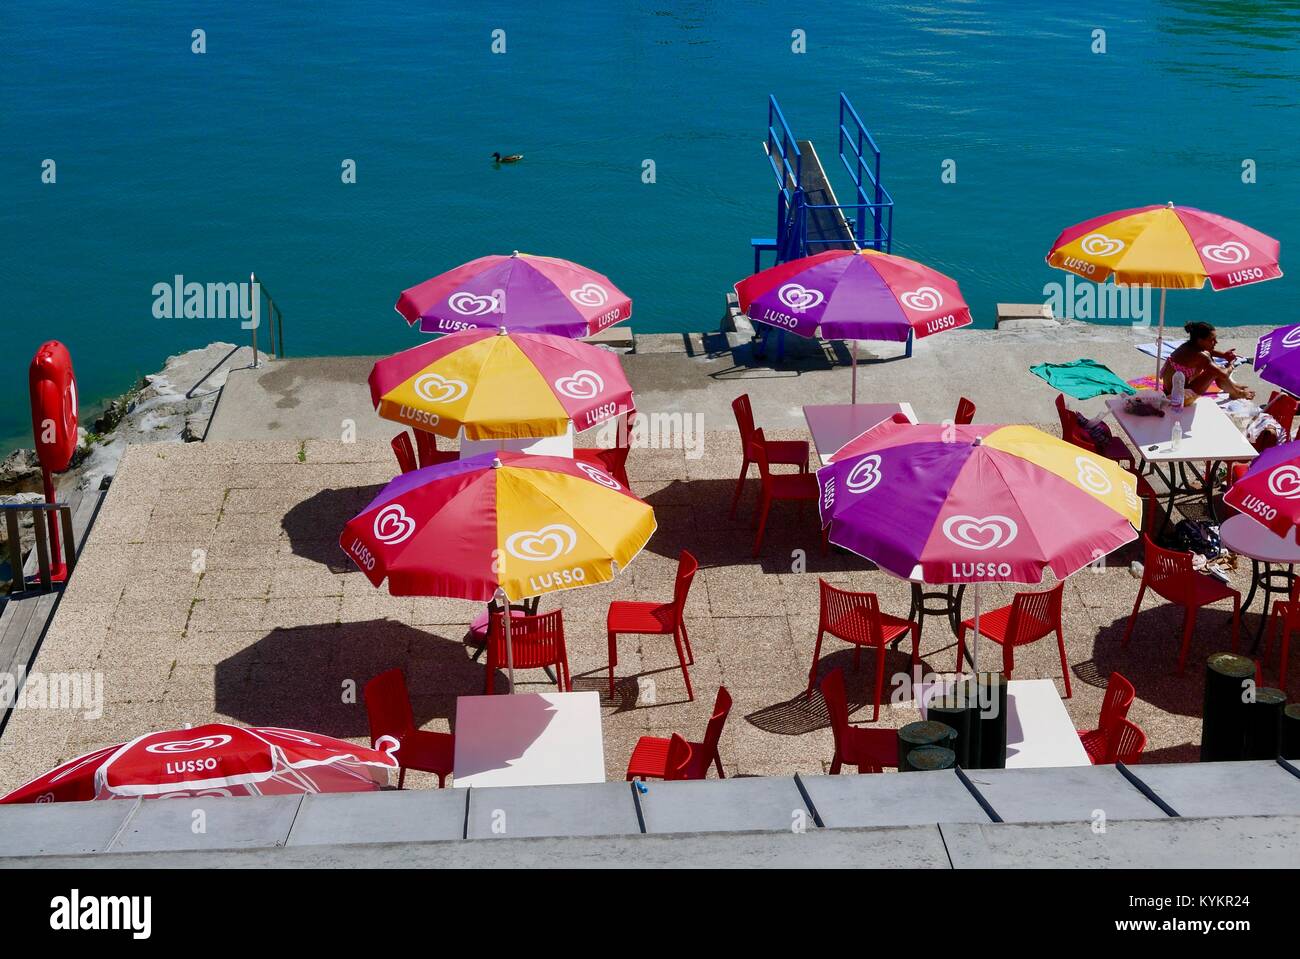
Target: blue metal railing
[[864, 170], [787, 165]]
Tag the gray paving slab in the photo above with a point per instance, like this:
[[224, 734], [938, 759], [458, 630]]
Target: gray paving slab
[[208, 823], [1265, 842], [593, 809], [1256, 788], [1062, 794], [423, 815], [45, 829], [730, 805], [889, 800]]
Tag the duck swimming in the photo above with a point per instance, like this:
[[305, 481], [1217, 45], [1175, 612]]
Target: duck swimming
[[512, 158]]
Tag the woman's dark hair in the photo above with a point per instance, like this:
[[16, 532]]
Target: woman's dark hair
[[1197, 330]]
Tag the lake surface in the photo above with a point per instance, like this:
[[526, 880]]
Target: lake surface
[[211, 166]]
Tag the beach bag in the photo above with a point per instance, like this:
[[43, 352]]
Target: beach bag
[[1098, 432], [1194, 536]]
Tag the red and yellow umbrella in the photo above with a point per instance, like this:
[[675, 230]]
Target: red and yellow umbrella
[[498, 385], [1168, 247]]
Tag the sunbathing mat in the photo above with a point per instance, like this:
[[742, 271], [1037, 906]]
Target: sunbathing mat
[[1149, 383], [1082, 379]]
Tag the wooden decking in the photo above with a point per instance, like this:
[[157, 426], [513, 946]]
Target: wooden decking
[[24, 619]]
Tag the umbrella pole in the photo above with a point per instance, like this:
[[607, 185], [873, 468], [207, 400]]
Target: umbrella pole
[[975, 643], [510, 651], [855, 371], [1160, 338]]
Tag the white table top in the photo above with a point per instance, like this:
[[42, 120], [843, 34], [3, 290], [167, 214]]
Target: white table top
[[1040, 732], [1208, 433], [834, 425], [561, 445], [529, 739], [1243, 535]]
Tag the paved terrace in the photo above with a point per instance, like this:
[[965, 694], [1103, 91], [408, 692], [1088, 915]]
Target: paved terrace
[[212, 586]]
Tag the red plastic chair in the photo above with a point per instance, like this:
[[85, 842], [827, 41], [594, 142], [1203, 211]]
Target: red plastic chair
[[1072, 432], [404, 451], [650, 755], [965, 414], [388, 708], [1029, 618], [614, 459], [1282, 407], [678, 765], [1286, 617], [856, 618], [1125, 743], [426, 444], [779, 452], [871, 750], [656, 619], [1119, 697], [795, 487], [536, 641], [1169, 574]]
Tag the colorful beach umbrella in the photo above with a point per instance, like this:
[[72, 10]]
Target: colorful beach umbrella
[[1277, 358], [498, 526], [1269, 492], [854, 295], [541, 294], [216, 759], [1167, 247], [496, 384], [974, 504]]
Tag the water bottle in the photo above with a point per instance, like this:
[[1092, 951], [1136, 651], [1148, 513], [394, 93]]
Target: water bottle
[[1176, 440], [1176, 391]]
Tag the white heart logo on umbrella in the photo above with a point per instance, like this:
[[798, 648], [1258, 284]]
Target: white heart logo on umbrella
[[1292, 338], [439, 389], [923, 299], [198, 745], [604, 479], [865, 475], [1285, 482], [1099, 244], [392, 525], [581, 385], [590, 294], [540, 546], [1229, 252], [471, 304], [1092, 477], [980, 533], [799, 298]]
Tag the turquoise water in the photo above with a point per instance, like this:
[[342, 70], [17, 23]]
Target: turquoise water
[[213, 165]]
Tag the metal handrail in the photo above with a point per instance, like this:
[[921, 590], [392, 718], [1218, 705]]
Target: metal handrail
[[275, 319], [878, 201]]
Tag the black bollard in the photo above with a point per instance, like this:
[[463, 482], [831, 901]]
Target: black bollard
[[1291, 731], [956, 708], [992, 701], [1223, 724], [1264, 723], [924, 733], [928, 758]]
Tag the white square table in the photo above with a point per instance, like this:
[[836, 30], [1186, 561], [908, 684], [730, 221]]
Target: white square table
[[1209, 436], [561, 445], [832, 426], [1040, 732], [528, 739]]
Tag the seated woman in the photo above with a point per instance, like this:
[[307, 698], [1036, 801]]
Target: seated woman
[[1195, 360]]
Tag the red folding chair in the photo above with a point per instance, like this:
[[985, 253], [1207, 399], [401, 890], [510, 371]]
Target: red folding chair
[[1125, 743], [536, 642], [792, 487], [779, 452], [1073, 433], [871, 750], [1029, 618], [1119, 697], [388, 708], [650, 755], [965, 414], [656, 619], [614, 459], [1285, 616], [1169, 574], [856, 618]]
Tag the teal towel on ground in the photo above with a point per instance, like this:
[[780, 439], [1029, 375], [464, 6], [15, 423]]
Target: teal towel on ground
[[1082, 379]]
